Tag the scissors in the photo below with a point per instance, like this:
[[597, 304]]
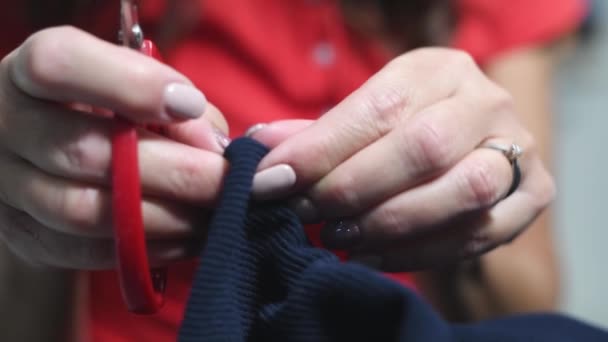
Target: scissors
[[142, 287]]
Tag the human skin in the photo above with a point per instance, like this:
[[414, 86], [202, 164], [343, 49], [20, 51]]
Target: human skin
[[426, 113]]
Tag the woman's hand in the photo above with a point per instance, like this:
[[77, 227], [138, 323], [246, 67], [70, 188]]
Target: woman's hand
[[57, 94], [397, 168]]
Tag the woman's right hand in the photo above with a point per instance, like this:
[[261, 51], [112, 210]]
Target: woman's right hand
[[57, 93]]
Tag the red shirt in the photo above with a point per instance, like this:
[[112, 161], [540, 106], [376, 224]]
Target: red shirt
[[265, 60]]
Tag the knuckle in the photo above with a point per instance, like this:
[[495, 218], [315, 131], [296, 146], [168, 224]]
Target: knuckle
[[390, 219], [403, 60], [432, 55], [460, 59], [344, 194], [447, 58], [185, 178], [82, 155], [45, 56], [480, 185], [80, 208], [427, 147], [387, 103], [499, 98]]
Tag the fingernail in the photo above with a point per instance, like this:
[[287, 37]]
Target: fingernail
[[273, 181], [343, 234], [221, 138], [305, 209], [253, 129], [184, 101]]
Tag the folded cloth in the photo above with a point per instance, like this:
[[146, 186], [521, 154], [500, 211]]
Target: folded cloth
[[259, 279]]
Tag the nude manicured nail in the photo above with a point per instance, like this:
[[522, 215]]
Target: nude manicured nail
[[221, 138], [184, 101], [273, 181], [255, 128]]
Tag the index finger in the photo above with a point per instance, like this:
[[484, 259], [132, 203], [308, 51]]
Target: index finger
[[404, 87], [67, 65]]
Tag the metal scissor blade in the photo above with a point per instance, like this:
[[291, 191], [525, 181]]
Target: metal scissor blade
[[131, 34]]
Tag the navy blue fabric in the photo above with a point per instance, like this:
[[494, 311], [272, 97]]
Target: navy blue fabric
[[261, 280]]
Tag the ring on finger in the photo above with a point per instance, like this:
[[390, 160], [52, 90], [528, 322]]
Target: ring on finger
[[512, 152]]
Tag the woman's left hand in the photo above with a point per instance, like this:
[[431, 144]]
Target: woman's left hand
[[398, 169]]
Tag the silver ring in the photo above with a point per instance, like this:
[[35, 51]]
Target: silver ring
[[512, 153]]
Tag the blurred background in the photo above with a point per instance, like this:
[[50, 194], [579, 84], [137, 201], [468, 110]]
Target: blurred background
[[581, 209]]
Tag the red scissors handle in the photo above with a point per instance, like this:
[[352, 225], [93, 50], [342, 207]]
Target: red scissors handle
[[142, 287]]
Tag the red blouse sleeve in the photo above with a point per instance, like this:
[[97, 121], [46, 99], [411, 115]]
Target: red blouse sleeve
[[488, 28]]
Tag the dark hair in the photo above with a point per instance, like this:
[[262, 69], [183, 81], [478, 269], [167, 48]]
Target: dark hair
[[51, 13], [408, 23]]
